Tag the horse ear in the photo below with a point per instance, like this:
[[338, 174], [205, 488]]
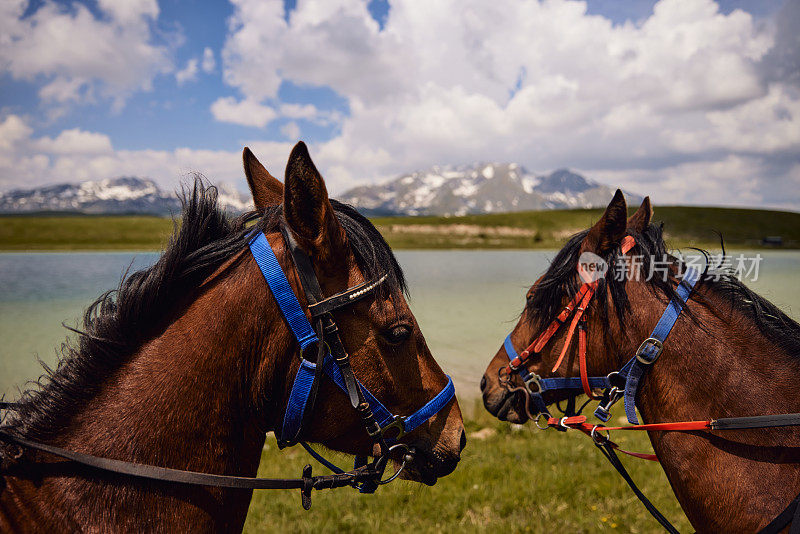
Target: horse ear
[[265, 188], [308, 210], [610, 229], [638, 221]]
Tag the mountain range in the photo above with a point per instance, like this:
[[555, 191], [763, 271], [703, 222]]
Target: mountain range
[[441, 190], [126, 194], [480, 188]]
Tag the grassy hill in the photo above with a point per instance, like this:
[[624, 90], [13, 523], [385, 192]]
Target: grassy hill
[[685, 226]]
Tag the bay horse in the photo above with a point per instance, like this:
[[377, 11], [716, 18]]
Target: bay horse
[[731, 354], [189, 363]]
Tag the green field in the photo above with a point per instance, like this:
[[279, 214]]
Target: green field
[[515, 479], [685, 226]]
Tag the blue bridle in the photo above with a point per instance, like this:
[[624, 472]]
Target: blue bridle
[[623, 383], [377, 418]]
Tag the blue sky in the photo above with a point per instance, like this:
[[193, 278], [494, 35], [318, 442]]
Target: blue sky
[[689, 101]]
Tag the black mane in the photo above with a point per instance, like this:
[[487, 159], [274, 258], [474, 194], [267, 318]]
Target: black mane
[[560, 282], [121, 320]]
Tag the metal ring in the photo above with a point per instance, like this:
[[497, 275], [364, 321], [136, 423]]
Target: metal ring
[[539, 418], [503, 378], [597, 437], [383, 460], [561, 422], [314, 361], [611, 376]]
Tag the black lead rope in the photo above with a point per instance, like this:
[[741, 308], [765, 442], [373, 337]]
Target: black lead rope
[[165, 474], [789, 516], [608, 452]]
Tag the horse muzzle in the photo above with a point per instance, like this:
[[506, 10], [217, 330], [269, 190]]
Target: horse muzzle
[[507, 404], [429, 464]]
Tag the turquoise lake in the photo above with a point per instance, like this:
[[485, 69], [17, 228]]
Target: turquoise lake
[[465, 301]]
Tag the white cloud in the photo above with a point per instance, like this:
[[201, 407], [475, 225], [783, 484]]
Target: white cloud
[[291, 131], [187, 73], [244, 112], [76, 142], [544, 84], [300, 111], [129, 10], [81, 57], [77, 155], [209, 62], [13, 130], [677, 105]]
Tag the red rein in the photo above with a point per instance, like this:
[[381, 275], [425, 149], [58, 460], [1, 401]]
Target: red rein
[[578, 304], [578, 422]]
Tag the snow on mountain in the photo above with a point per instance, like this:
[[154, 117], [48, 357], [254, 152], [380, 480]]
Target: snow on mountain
[[480, 188], [440, 190], [125, 194]]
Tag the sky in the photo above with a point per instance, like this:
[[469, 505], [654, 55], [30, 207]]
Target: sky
[[688, 101]]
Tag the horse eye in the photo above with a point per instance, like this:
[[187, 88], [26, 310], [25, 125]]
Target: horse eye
[[398, 334]]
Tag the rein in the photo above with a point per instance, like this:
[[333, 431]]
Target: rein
[[330, 359], [622, 384]]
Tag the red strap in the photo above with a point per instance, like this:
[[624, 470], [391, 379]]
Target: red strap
[[642, 455], [576, 421], [571, 332], [681, 425], [582, 360], [627, 244], [542, 340], [583, 296], [579, 422]]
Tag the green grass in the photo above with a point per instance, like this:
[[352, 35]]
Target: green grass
[[685, 226], [516, 480], [84, 232]]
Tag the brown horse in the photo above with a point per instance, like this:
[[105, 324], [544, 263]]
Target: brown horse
[[731, 353], [189, 364]]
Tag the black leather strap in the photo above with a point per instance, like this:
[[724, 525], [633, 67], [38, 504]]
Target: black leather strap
[[756, 421], [788, 516], [345, 298], [608, 452], [166, 474]]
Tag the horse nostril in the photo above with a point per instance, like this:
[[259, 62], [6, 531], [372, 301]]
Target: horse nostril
[[483, 382], [463, 442]]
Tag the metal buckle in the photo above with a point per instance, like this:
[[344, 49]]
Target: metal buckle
[[649, 357], [603, 411], [533, 379], [399, 422]]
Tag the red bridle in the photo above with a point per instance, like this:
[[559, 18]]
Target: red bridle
[[578, 305]]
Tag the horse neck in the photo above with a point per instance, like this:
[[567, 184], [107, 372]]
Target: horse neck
[[196, 397], [737, 480], [721, 367]]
